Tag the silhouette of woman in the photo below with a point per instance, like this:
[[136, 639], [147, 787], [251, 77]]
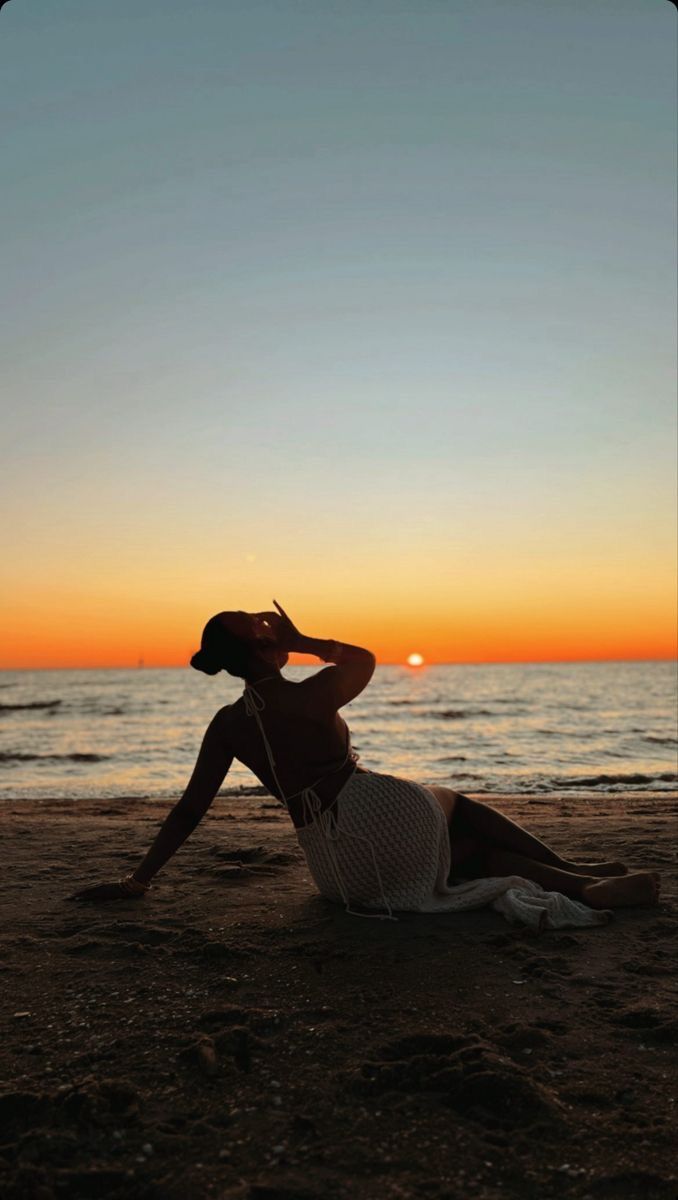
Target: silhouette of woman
[[375, 842]]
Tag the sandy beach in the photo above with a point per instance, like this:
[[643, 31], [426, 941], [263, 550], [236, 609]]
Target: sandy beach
[[235, 1035]]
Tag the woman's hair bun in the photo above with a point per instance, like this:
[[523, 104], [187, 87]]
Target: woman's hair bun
[[221, 650], [203, 662]]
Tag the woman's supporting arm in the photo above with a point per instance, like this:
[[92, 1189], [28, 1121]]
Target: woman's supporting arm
[[213, 762], [173, 832]]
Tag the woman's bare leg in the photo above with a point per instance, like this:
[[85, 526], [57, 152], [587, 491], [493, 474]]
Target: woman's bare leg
[[641, 887], [496, 861], [472, 819]]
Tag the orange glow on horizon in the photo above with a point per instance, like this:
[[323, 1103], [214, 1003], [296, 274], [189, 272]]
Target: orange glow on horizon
[[89, 638], [562, 618]]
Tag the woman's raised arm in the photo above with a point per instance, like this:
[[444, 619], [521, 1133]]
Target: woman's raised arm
[[213, 762], [330, 689]]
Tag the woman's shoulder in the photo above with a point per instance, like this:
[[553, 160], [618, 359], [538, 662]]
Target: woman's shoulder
[[225, 717]]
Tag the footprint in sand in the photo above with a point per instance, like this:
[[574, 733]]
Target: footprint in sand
[[211, 1054], [118, 939], [540, 966], [639, 1018], [261, 1021], [654, 1024], [231, 1034], [516, 1037], [466, 1073], [560, 1028], [631, 1184], [657, 964], [248, 861]]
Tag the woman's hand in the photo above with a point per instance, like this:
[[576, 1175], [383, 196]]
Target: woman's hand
[[104, 892], [287, 633]]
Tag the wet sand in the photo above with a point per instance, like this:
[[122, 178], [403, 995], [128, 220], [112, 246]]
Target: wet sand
[[234, 1035]]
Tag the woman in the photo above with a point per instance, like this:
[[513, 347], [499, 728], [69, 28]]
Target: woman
[[371, 840]]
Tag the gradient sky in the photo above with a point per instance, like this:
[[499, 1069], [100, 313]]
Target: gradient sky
[[364, 305]]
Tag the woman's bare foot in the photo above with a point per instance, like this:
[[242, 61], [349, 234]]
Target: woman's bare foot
[[602, 870], [640, 887]]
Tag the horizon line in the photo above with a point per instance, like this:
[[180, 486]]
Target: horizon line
[[499, 662]]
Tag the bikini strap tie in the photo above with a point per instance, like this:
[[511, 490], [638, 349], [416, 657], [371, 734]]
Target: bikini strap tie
[[255, 704]]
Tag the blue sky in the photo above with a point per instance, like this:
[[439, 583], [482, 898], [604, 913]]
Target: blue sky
[[369, 270]]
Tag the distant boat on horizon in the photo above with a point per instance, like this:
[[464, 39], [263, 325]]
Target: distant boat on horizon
[[141, 662]]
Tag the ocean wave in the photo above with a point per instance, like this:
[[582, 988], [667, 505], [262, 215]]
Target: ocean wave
[[572, 734], [76, 757], [94, 710], [33, 704], [453, 758], [605, 780], [458, 714], [661, 741]]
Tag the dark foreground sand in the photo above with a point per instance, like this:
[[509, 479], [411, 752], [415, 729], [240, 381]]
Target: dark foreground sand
[[234, 1035]]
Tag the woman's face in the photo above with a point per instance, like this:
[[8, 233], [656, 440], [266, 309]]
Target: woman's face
[[259, 628]]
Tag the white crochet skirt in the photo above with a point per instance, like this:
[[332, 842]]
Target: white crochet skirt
[[384, 845]]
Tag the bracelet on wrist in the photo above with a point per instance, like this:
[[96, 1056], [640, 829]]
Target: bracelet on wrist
[[132, 886]]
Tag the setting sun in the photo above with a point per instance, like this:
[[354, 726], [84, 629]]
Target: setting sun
[[415, 660]]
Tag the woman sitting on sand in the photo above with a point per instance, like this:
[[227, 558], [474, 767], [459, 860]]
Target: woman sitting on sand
[[374, 841]]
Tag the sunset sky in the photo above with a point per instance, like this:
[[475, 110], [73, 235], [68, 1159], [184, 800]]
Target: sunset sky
[[367, 306]]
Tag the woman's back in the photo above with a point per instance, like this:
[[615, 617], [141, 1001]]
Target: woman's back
[[310, 744]]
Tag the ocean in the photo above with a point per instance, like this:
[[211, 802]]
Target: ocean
[[541, 727]]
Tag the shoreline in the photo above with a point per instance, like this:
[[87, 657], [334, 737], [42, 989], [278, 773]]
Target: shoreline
[[586, 793], [234, 1034]]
